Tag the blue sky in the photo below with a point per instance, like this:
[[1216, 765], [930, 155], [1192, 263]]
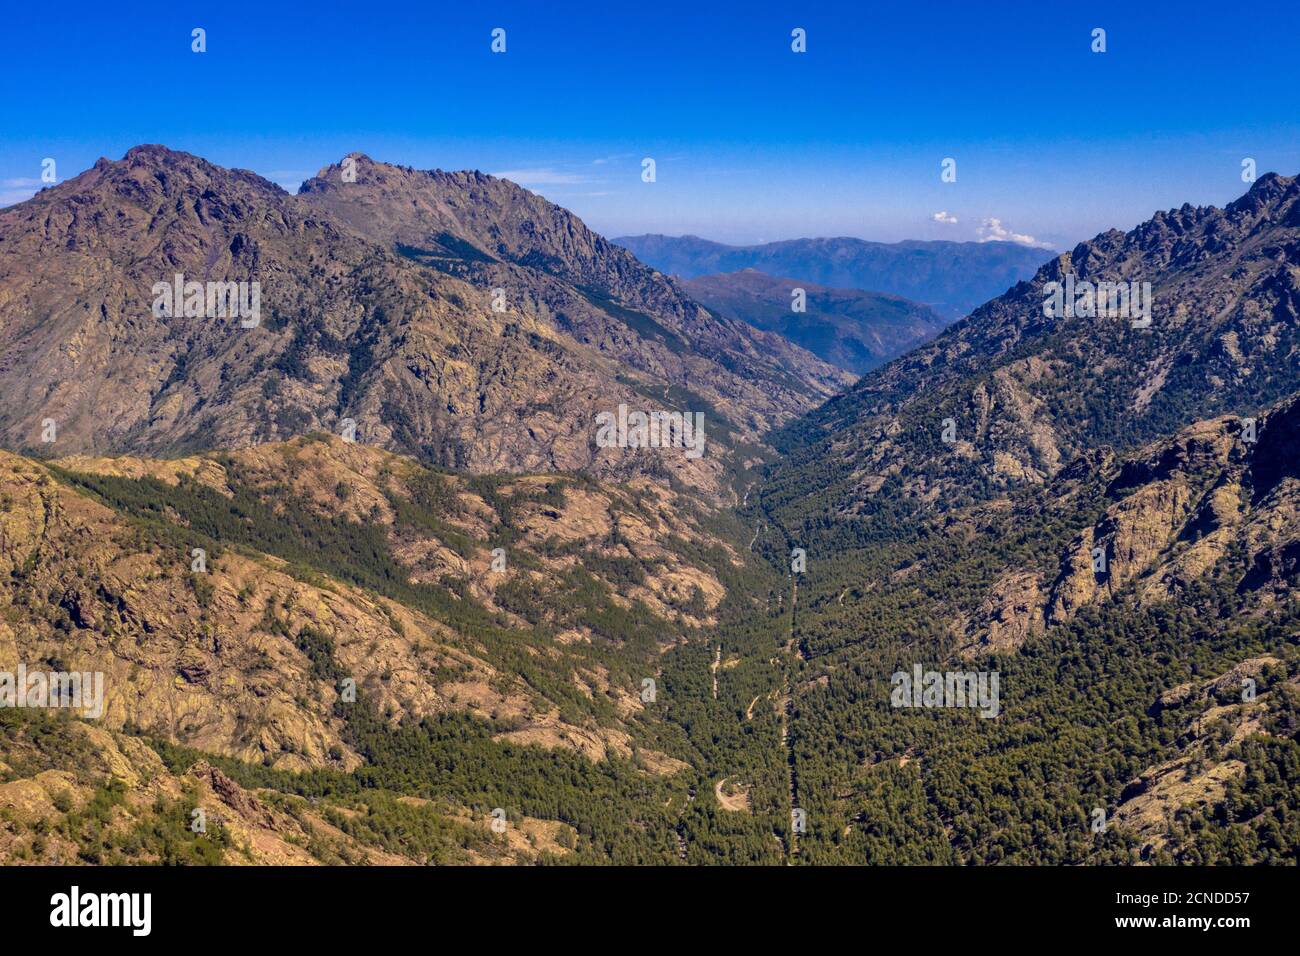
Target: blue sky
[[752, 141]]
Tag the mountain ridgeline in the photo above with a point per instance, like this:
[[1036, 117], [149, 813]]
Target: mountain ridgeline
[[451, 316], [950, 277], [363, 585], [850, 328], [1026, 393]]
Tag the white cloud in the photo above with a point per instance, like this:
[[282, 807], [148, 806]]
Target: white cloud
[[540, 176], [992, 230], [943, 217]]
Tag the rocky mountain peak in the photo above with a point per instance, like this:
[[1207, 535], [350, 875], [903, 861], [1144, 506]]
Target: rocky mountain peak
[[495, 216], [374, 301]]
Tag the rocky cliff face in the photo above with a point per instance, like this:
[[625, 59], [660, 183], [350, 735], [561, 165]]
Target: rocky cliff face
[[1184, 510], [351, 329]]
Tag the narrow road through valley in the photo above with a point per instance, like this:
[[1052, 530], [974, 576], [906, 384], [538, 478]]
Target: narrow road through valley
[[787, 717]]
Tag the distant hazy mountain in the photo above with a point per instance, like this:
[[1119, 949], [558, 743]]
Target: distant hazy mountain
[[851, 328], [950, 277]]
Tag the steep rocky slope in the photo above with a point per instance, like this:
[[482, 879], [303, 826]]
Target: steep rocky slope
[[343, 656], [1152, 526], [75, 793], [1010, 395], [498, 235], [325, 561]]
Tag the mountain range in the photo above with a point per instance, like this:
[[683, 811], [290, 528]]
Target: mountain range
[[463, 631], [394, 325], [850, 328], [950, 277]]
